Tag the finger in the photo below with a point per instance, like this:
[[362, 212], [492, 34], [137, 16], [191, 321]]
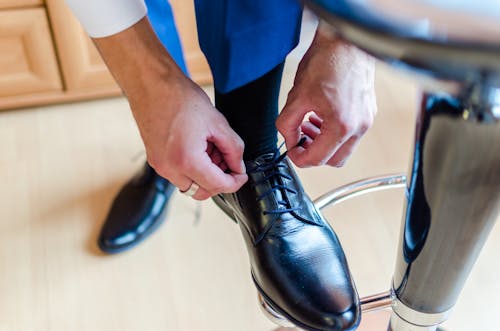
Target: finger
[[231, 148], [288, 123], [202, 194], [344, 152], [223, 166], [175, 178], [216, 157], [212, 178], [181, 176], [323, 147], [218, 160], [305, 145], [310, 130], [210, 148], [315, 120]]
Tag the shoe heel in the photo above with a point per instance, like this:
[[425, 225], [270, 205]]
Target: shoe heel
[[219, 201], [272, 314]]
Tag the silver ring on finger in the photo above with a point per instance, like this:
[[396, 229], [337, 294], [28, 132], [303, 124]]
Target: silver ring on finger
[[191, 190]]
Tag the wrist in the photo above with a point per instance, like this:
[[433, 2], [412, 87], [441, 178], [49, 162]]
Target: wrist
[[327, 40], [326, 31]]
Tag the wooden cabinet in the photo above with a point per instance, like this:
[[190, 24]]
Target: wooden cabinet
[[81, 64], [46, 56], [27, 61], [19, 3]]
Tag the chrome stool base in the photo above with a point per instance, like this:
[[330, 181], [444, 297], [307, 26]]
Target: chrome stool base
[[377, 316], [273, 315], [382, 320], [397, 323]]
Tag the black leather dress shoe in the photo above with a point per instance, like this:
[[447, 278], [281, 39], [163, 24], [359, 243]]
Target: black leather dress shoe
[[136, 212], [297, 262]]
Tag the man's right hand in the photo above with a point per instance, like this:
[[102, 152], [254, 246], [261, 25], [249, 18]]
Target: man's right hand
[[187, 140]]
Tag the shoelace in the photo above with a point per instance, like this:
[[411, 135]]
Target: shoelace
[[273, 167]]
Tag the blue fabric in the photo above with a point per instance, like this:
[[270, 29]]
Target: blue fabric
[[244, 39], [161, 17]]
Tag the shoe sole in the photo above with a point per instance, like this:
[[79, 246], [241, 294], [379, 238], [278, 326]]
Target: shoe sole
[[289, 318], [222, 205]]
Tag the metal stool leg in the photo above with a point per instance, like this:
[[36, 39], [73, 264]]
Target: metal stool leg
[[453, 198]]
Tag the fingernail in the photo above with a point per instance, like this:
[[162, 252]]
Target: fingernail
[[242, 167]]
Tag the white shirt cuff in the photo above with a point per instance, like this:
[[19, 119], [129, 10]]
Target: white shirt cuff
[[103, 18]]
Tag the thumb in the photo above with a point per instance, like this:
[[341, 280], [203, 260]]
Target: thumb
[[231, 147], [289, 123]]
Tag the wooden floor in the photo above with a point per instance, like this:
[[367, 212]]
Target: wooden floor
[[60, 167]]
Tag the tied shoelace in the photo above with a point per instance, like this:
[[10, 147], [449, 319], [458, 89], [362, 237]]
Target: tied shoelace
[[272, 168]]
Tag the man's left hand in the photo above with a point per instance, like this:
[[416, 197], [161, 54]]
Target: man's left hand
[[334, 81]]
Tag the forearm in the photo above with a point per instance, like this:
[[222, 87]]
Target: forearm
[[325, 30], [133, 53], [328, 40], [137, 59]]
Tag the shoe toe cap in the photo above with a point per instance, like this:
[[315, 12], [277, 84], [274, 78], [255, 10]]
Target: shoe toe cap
[[345, 321], [348, 320], [115, 244]]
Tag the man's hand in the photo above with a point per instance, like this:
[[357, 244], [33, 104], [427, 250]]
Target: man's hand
[[187, 140], [334, 81]]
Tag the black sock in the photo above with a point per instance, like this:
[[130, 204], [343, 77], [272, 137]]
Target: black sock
[[251, 111]]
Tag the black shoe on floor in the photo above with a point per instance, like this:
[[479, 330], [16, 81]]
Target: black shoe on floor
[[136, 212], [297, 262]]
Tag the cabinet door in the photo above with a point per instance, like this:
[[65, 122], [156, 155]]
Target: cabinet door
[[19, 3], [81, 64], [27, 58]]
